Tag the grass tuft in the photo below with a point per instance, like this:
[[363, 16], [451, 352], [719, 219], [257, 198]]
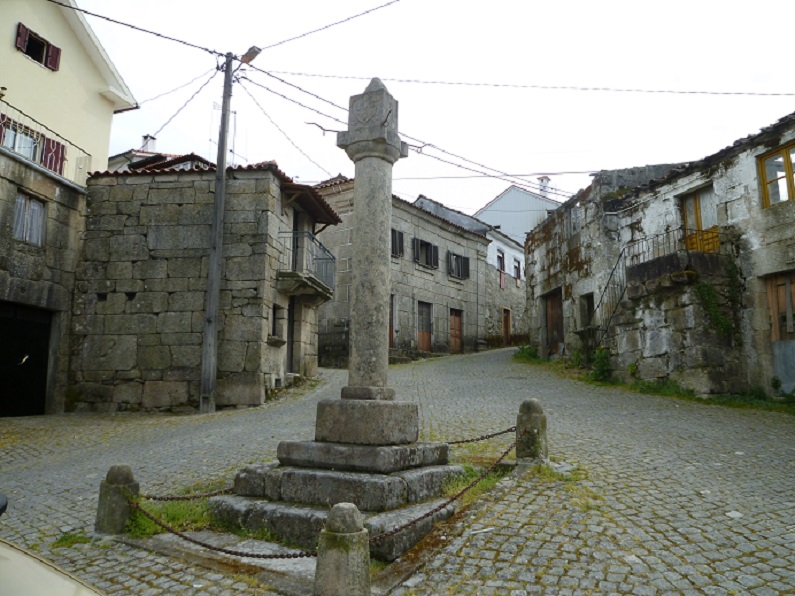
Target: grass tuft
[[70, 539]]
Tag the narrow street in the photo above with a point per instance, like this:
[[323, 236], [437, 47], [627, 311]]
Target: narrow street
[[677, 498]]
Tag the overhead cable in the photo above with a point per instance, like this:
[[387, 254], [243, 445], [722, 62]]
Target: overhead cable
[[182, 107], [544, 87], [141, 29], [176, 88], [329, 26], [286, 136]]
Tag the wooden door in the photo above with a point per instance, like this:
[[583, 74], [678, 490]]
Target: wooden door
[[506, 327], [456, 331], [424, 326], [554, 302]]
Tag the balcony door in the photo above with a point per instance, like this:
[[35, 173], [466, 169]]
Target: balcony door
[[424, 326], [700, 219]]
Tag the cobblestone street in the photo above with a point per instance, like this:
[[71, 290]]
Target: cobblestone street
[[678, 498]]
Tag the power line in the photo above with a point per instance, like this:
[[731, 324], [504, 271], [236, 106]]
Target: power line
[[329, 26], [176, 88], [294, 101], [488, 176], [544, 87], [286, 136], [141, 29], [190, 99], [502, 175]]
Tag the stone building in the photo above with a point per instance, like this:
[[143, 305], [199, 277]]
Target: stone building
[[60, 93], [438, 273], [505, 294], [139, 303], [687, 275]]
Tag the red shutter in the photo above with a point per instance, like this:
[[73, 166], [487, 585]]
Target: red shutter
[[53, 58], [53, 155], [22, 37]]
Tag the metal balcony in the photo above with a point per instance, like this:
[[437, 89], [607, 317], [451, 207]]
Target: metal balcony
[[306, 268], [42, 147]]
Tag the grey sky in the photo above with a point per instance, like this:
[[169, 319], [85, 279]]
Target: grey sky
[[695, 45]]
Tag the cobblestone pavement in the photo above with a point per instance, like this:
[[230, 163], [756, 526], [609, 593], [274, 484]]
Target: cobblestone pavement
[[679, 498]]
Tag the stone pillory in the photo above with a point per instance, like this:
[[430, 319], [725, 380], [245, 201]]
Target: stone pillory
[[365, 450]]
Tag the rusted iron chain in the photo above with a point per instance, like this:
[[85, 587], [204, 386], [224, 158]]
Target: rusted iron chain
[[461, 493], [226, 551], [223, 491], [510, 429]]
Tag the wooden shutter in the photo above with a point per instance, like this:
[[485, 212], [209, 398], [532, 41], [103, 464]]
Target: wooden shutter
[[415, 244], [450, 268], [435, 257], [53, 58], [22, 37], [465, 267], [52, 155], [401, 251]]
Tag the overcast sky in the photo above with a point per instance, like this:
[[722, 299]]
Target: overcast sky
[[694, 45]]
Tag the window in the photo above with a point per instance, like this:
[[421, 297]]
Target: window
[[700, 220], [517, 269], [29, 220], [776, 172], [457, 266], [425, 253], [501, 267], [424, 326], [397, 243], [37, 48], [32, 145]]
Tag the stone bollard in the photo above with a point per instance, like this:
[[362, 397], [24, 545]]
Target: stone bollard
[[531, 431], [343, 554], [113, 509]]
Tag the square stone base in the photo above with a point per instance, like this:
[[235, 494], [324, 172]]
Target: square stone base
[[367, 422], [381, 459]]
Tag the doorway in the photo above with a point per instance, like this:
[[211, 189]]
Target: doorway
[[781, 303], [24, 351], [424, 326], [554, 312], [456, 331]]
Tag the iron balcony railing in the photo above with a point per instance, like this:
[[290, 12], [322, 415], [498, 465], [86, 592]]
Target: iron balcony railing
[[642, 251], [28, 138], [303, 253]]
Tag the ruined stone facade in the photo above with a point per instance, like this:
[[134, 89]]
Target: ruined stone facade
[[139, 303], [696, 282], [37, 274], [428, 298]]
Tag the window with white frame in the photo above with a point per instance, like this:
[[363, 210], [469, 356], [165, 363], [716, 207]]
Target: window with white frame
[[29, 217]]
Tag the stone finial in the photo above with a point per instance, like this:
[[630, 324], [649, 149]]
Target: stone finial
[[113, 508], [372, 126], [531, 431], [343, 554]]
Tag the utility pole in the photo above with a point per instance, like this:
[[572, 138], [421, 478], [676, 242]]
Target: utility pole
[[210, 339]]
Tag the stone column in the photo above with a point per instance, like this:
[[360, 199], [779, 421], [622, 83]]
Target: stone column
[[373, 144], [113, 508], [531, 431]]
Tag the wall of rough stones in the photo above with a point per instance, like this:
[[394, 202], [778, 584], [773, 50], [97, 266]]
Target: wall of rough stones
[[140, 297], [42, 276]]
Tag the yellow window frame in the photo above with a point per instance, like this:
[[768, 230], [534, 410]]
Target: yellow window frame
[[784, 151]]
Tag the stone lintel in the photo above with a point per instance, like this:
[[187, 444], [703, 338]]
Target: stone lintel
[[363, 392], [367, 422], [382, 459]]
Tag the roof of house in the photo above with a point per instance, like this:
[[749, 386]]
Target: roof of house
[[339, 179], [117, 91], [768, 135], [162, 161], [306, 196], [482, 227], [553, 204]]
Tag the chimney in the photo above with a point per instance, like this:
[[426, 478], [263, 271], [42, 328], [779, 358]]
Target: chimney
[[148, 143], [543, 182]]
